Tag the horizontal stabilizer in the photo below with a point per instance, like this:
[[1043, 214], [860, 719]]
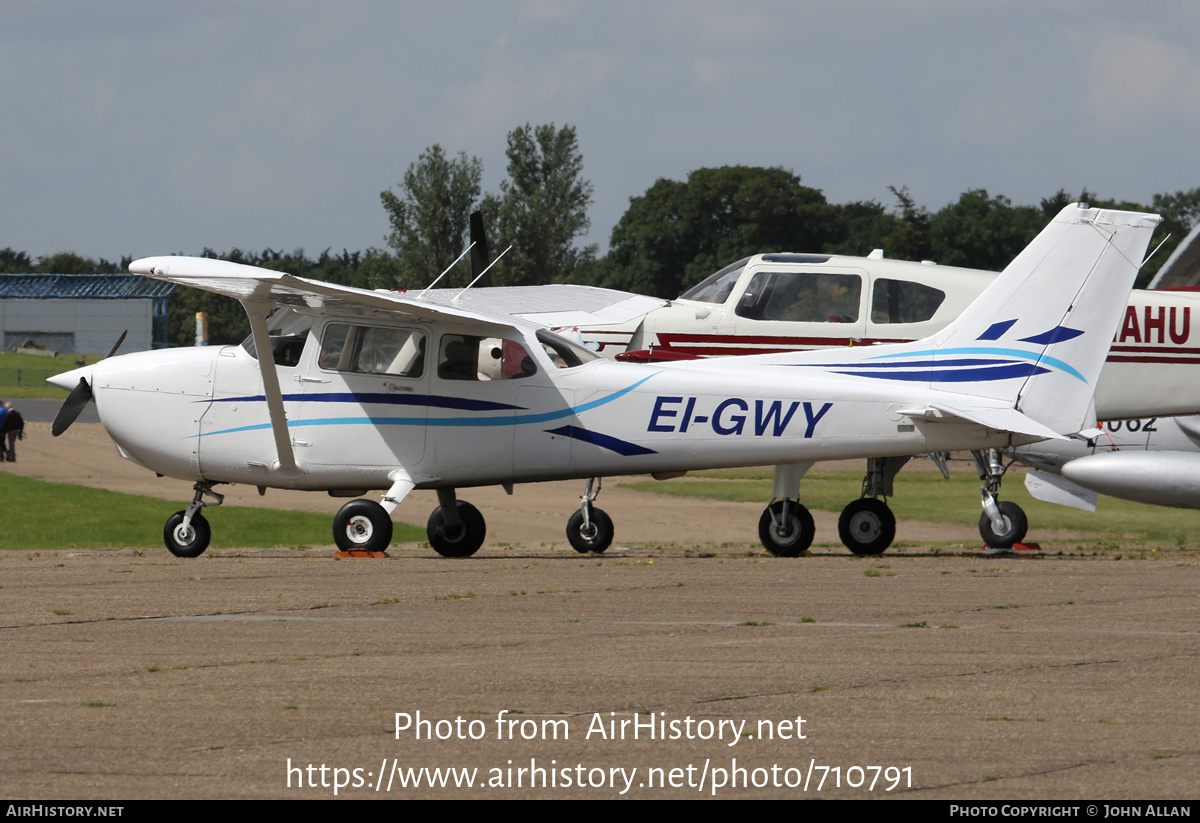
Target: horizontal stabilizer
[[1004, 420]]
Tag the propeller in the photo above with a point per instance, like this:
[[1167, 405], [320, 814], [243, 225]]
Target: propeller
[[79, 397], [116, 345], [71, 407]]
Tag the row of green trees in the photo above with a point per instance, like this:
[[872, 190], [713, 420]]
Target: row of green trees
[[678, 232], [670, 237], [540, 211]]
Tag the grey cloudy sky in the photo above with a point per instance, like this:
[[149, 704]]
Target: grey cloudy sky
[[151, 127]]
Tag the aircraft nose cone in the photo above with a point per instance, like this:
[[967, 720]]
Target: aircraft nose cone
[[70, 379]]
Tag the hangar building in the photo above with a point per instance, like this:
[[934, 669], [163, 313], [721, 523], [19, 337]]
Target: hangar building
[[83, 313]]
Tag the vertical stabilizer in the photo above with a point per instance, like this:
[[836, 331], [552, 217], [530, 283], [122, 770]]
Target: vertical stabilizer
[[1036, 338], [1059, 391]]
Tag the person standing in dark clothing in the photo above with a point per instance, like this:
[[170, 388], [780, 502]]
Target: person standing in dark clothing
[[12, 429]]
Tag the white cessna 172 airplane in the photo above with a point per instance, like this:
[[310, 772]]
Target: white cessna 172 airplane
[[794, 302], [365, 390]]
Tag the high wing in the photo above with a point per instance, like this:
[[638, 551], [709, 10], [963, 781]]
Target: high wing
[[553, 305], [494, 311]]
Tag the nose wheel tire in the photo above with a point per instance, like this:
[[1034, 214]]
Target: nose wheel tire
[[190, 541], [867, 527], [596, 538], [462, 540], [1015, 522], [794, 534], [362, 526]]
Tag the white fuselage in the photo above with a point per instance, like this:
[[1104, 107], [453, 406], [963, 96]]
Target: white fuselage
[[200, 413]]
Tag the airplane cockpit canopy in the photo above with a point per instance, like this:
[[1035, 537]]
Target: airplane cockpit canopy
[[288, 330], [565, 353], [716, 287]]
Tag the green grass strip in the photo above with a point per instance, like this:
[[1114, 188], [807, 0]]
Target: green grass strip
[[24, 375], [36, 515]]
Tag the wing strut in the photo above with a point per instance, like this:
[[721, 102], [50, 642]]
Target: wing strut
[[286, 464]]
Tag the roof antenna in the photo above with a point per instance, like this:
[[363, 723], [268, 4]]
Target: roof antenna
[[443, 274], [482, 273]]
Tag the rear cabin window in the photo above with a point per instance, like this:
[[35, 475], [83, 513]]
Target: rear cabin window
[[373, 350], [802, 297], [901, 301]]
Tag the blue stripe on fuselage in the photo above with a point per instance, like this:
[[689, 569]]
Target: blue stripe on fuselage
[[955, 375], [606, 441], [501, 420], [1021, 355], [363, 398], [937, 361]]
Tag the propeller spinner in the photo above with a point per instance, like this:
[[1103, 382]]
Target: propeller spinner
[[79, 397]]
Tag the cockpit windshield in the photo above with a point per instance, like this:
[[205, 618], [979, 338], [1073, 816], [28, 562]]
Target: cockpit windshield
[[715, 288], [564, 353], [288, 330]]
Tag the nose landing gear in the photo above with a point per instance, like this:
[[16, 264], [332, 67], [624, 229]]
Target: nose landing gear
[[362, 525], [187, 533]]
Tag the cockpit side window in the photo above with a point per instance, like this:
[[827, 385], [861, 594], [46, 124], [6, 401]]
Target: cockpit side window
[[467, 357], [716, 287], [288, 330], [802, 297], [372, 350], [902, 301]]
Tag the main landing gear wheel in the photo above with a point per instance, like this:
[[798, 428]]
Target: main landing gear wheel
[[598, 535], [462, 540], [786, 537], [190, 541], [867, 526], [1015, 523], [362, 526]]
